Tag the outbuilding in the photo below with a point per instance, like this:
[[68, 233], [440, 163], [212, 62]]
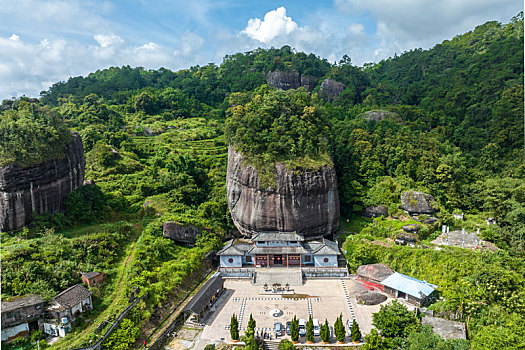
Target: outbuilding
[[20, 316], [92, 278], [204, 298], [411, 289]]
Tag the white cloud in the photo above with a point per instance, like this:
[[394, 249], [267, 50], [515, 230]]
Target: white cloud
[[275, 23], [406, 24], [108, 40]]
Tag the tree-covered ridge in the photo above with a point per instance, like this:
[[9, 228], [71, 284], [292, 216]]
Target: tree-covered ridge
[[31, 134], [278, 125], [472, 86]]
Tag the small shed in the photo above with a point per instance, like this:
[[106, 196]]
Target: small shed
[[92, 278], [205, 297], [374, 273], [411, 289]]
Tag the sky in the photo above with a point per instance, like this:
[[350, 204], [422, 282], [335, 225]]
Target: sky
[[46, 41]]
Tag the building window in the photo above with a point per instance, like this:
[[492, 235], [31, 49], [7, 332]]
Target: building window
[[230, 260], [325, 260], [293, 242], [307, 258], [248, 259]]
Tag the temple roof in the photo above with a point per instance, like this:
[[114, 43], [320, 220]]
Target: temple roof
[[322, 247], [277, 236], [277, 250], [235, 247]]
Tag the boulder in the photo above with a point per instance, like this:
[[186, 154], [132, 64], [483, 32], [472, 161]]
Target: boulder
[[415, 202], [375, 211], [412, 228], [331, 89], [308, 82], [40, 188], [283, 80], [304, 201], [186, 234]]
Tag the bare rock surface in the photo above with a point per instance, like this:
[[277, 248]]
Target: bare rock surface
[[39, 188], [304, 201], [186, 234], [376, 211], [290, 80], [331, 89], [415, 202]]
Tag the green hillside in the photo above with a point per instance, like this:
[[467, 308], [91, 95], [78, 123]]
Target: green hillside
[[450, 124]]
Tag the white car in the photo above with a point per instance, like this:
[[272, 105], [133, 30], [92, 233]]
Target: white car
[[302, 327], [317, 329]]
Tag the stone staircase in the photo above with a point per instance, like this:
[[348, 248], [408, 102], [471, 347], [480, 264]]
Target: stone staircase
[[271, 344], [270, 276]]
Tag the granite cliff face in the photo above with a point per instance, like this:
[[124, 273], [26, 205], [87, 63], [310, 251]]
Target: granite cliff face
[[290, 80], [39, 188], [331, 89], [306, 202]]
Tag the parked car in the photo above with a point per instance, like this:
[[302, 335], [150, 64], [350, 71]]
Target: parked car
[[302, 328], [317, 329], [288, 327], [278, 328]]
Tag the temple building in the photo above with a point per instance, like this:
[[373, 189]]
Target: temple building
[[279, 249]]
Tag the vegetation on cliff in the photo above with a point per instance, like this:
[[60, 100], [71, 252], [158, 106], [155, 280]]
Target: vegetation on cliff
[[31, 134], [279, 126], [156, 148]]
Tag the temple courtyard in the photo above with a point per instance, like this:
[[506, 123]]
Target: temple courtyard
[[321, 298]]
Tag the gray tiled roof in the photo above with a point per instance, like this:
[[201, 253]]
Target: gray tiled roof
[[72, 296], [203, 296], [90, 275], [277, 236], [234, 248], [323, 247], [20, 302], [278, 250]]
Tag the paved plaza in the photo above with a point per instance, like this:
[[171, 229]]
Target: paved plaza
[[321, 298]]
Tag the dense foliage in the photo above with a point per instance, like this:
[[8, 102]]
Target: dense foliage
[[450, 124], [278, 125], [31, 134]]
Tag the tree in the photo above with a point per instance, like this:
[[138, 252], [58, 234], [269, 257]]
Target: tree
[[310, 330], [355, 333], [294, 329], [373, 341], [285, 344], [339, 329], [325, 332], [394, 320], [250, 330], [234, 328]]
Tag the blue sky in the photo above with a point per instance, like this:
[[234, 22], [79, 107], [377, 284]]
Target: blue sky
[[45, 41]]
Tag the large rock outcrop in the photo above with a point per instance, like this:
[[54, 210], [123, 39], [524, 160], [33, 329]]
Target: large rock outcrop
[[39, 188], [186, 234], [415, 202], [290, 80], [304, 201], [331, 89]]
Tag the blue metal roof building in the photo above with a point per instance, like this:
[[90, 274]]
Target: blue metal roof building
[[409, 288]]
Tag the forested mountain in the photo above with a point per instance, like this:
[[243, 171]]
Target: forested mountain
[[447, 121]]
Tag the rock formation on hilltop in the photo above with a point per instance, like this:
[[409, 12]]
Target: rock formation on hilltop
[[290, 80], [331, 89], [40, 187], [304, 201]]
